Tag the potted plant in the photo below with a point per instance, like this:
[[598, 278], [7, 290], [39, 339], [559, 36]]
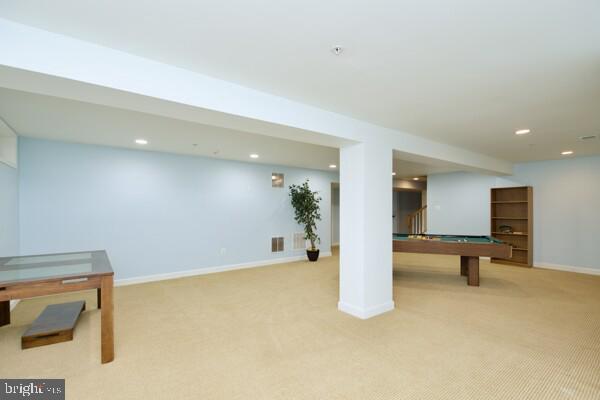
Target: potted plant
[[307, 213]]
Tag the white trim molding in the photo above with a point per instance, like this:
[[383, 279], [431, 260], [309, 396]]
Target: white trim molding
[[210, 270], [567, 268], [8, 145], [365, 313]]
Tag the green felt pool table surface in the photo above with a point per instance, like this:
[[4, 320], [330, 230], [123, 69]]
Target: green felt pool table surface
[[450, 238]]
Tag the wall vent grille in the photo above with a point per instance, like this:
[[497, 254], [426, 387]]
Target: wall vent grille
[[277, 244]]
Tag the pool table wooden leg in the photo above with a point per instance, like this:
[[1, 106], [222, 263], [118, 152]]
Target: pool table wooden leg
[[4, 313], [473, 271], [464, 265]]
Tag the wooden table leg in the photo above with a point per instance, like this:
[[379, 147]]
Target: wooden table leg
[[106, 315], [4, 313], [99, 298], [464, 265], [473, 267]]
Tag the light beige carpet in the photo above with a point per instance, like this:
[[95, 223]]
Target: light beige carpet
[[275, 333]]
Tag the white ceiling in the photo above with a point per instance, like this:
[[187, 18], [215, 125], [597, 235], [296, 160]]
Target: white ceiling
[[467, 73], [73, 121]]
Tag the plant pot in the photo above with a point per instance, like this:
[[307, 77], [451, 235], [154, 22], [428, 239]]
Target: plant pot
[[313, 255]]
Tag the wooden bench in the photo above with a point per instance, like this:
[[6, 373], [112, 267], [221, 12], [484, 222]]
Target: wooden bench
[[54, 325]]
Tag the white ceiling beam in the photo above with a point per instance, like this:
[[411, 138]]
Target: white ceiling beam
[[47, 63]]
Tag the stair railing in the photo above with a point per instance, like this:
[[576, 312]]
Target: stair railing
[[417, 221]]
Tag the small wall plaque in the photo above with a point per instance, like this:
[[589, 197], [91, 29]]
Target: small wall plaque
[[277, 179]]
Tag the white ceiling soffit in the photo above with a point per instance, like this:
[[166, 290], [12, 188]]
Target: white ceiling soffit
[[73, 121], [408, 170], [465, 73], [53, 118], [409, 166], [22, 80]]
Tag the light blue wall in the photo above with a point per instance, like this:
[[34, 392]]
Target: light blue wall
[[9, 211], [566, 204], [459, 203], [154, 212]]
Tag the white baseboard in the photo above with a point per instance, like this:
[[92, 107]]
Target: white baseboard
[[560, 267], [567, 268], [13, 304], [211, 270], [365, 313]]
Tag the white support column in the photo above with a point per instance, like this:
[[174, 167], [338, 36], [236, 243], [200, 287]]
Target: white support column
[[366, 230]]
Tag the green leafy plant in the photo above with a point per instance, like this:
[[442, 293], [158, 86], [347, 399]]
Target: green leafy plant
[[307, 211]]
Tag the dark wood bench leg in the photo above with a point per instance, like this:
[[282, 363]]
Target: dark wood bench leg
[[464, 265], [473, 277], [99, 297], [4, 313]]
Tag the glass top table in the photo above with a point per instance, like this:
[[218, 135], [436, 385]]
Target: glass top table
[[22, 269], [45, 274]]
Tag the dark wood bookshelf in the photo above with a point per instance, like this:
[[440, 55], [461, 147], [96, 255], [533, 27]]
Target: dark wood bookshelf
[[513, 206]]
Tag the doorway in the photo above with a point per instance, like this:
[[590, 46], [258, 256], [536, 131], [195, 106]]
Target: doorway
[[406, 203]]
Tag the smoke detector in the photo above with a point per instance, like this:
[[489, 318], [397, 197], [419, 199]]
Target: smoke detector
[[337, 50]]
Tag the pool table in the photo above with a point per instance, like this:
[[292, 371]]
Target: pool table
[[469, 248]]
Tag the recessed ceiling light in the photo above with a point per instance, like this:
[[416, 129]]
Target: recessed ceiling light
[[566, 152], [415, 178], [332, 166], [393, 174], [253, 155], [522, 132], [141, 141], [337, 50]]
